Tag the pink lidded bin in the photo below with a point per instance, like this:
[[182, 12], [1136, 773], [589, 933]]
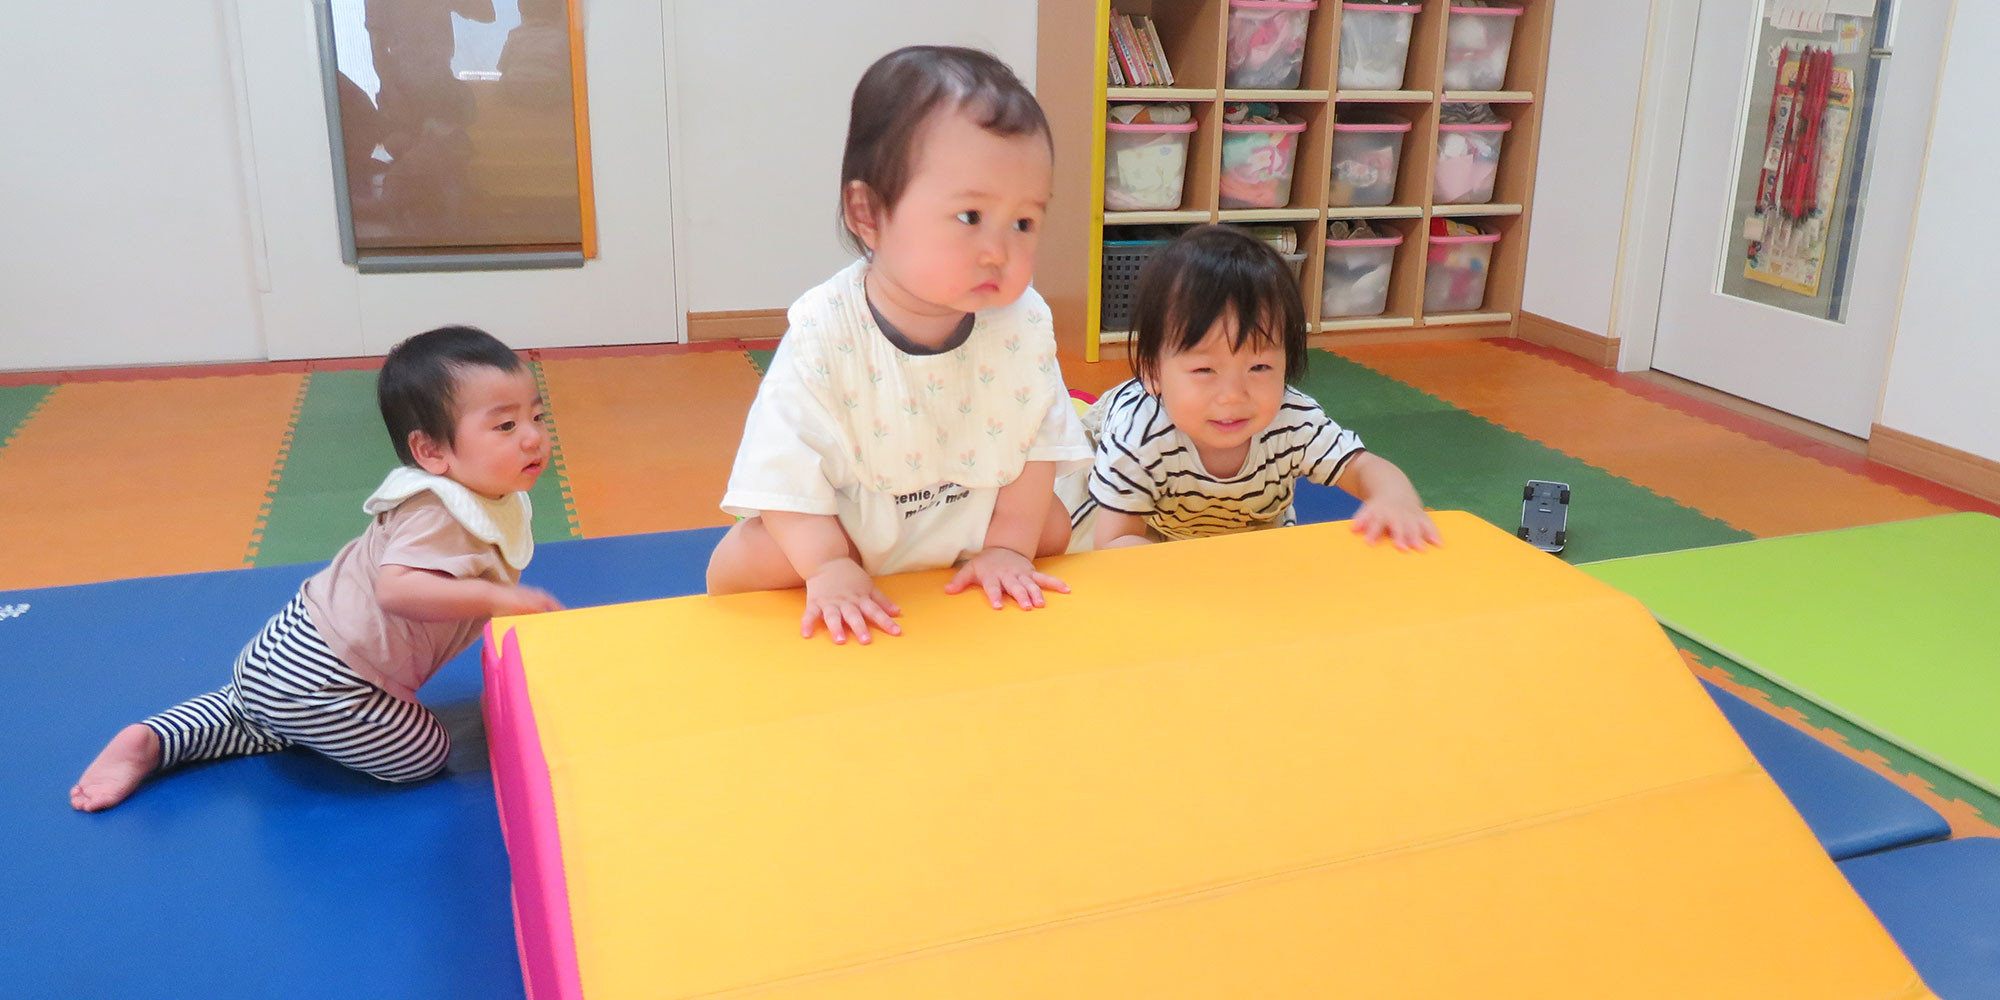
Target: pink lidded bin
[[1357, 274], [1468, 162], [1267, 43], [1455, 272], [1375, 44], [1477, 41], [1145, 166], [1257, 163], [1366, 157]]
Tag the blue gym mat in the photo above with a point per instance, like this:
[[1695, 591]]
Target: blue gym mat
[[282, 875], [286, 875], [1941, 902], [1316, 504], [1851, 809]]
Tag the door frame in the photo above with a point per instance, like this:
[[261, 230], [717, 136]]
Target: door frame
[[1664, 83]]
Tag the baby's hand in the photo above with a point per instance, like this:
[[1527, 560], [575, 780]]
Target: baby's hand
[[1402, 522], [842, 595], [519, 600], [1002, 571]]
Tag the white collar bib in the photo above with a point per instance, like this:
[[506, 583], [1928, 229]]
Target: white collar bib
[[506, 523]]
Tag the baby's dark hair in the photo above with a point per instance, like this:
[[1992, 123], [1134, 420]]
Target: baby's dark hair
[[415, 388], [1206, 274], [898, 95]]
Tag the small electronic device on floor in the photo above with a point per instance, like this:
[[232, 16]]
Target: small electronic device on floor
[[1545, 514]]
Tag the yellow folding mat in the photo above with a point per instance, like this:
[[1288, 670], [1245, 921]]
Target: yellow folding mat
[[1278, 764]]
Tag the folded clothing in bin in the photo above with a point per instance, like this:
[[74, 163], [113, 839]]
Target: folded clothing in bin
[[1145, 156], [1375, 44], [1455, 270], [1366, 151], [1260, 147], [1468, 155], [1360, 259], [1477, 40], [1267, 43]]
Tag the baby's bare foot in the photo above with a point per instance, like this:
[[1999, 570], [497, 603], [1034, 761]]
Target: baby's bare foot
[[120, 767]]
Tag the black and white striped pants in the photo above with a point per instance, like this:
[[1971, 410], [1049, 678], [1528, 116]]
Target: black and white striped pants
[[290, 690]]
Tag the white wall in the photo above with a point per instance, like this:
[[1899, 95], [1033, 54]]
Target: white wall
[[316, 306], [1590, 106], [174, 171], [764, 88], [1946, 361], [123, 232]]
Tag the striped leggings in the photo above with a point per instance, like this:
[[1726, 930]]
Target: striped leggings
[[290, 690]]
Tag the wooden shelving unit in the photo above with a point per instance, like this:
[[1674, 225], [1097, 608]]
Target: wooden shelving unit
[[1070, 81]]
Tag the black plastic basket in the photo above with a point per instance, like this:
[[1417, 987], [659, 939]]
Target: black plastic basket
[[1122, 261]]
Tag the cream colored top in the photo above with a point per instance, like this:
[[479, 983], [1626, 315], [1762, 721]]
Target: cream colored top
[[909, 451]]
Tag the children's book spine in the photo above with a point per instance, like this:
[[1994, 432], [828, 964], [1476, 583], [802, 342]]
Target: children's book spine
[[1128, 50], [1159, 51]]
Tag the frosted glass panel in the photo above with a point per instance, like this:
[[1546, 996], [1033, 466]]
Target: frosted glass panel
[[457, 124]]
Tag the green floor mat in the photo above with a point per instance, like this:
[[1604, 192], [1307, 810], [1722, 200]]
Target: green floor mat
[[1459, 461], [1947, 785], [555, 509], [1891, 626], [16, 402], [338, 456]]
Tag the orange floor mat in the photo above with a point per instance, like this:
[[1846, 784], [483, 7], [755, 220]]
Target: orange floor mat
[[1721, 472], [648, 441], [1096, 379], [125, 479]]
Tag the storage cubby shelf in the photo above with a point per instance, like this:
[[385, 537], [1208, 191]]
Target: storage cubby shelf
[[1071, 59], [1375, 212], [1117, 94], [1466, 318], [1461, 211], [1364, 323], [1269, 214], [1155, 218], [1275, 96], [1488, 96], [1384, 96]]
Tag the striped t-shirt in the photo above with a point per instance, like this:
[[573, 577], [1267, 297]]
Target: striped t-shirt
[[1146, 467]]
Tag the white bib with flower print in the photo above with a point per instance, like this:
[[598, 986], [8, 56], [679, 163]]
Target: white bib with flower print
[[506, 523]]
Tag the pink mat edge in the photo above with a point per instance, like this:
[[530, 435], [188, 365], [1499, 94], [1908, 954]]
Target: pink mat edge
[[521, 788]]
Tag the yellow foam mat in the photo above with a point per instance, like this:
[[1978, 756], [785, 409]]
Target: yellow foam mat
[[1276, 764]]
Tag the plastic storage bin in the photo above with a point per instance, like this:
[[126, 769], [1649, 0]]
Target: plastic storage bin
[[1357, 276], [1375, 45], [1123, 259], [1455, 272], [1257, 162], [1366, 156], [1267, 43], [1476, 44], [1468, 162], [1145, 166]]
